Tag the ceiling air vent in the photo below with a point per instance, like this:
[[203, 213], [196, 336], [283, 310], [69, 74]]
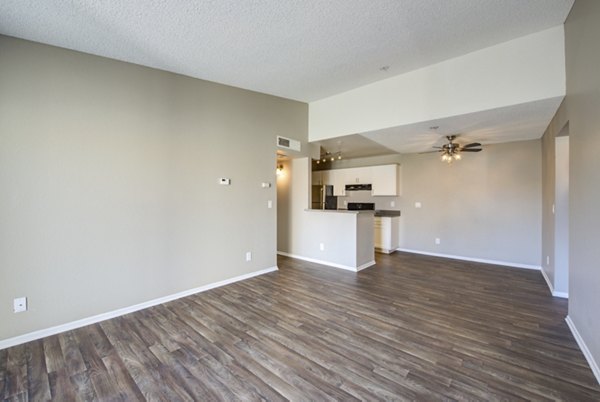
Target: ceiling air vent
[[288, 143]]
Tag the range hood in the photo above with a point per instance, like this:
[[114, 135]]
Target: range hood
[[358, 187]]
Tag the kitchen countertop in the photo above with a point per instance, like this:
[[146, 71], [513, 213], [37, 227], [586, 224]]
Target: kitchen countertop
[[339, 211], [386, 213]]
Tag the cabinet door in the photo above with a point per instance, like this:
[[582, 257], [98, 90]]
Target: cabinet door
[[336, 177], [385, 180], [361, 175], [382, 239], [378, 233]]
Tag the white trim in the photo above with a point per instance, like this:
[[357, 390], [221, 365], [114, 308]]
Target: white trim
[[365, 265], [330, 264], [32, 336], [482, 260], [555, 293], [548, 282], [584, 348]]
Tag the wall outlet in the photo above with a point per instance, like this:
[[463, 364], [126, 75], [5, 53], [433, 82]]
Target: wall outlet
[[20, 304], [437, 240], [269, 204], [392, 204], [322, 246], [345, 203], [417, 204], [249, 256], [547, 260]]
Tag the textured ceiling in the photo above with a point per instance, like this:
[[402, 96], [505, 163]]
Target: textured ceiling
[[304, 50]]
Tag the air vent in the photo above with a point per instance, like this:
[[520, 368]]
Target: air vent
[[288, 143]]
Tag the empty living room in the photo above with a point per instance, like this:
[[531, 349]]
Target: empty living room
[[315, 200]]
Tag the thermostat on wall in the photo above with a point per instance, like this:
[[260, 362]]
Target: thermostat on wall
[[224, 181]]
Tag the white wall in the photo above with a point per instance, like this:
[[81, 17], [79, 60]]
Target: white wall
[[109, 184], [486, 206], [561, 238], [526, 69]]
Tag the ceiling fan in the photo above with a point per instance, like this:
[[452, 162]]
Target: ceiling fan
[[451, 151]]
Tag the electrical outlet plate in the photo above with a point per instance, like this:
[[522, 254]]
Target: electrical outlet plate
[[249, 256], [20, 304], [322, 246]]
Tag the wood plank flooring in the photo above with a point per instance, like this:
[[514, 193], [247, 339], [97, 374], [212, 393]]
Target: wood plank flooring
[[410, 328]]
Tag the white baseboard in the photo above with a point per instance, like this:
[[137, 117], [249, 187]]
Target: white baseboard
[[563, 295], [482, 260], [32, 336], [365, 265], [328, 263], [584, 348]]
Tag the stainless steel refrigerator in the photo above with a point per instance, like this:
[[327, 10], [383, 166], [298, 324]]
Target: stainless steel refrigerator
[[323, 198]]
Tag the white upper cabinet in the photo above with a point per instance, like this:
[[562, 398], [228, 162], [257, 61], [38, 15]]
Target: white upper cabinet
[[385, 180], [337, 177], [360, 175]]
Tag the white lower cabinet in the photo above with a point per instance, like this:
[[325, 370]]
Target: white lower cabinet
[[386, 233]]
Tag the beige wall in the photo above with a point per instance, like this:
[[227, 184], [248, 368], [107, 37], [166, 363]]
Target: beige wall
[[558, 124], [486, 206], [582, 33], [109, 184]]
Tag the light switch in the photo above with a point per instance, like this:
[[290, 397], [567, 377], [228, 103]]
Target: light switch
[[269, 204]]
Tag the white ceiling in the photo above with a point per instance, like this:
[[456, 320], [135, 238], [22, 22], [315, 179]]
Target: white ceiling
[[304, 50], [354, 146], [526, 121]]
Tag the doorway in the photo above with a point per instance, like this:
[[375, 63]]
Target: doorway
[[561, 214]]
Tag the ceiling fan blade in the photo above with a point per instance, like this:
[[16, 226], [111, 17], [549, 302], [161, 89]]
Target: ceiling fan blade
[[471, 145], [470, 150], [430, 152]]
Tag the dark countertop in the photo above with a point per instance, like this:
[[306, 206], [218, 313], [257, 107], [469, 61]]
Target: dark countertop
[[386, 213]]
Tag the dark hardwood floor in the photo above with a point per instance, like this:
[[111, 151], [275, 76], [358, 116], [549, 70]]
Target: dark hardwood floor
[[411, 327]]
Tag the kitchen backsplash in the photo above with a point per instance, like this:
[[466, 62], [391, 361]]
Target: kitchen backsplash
[[365, 196]]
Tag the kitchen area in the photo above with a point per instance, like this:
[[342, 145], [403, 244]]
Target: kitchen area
[[362, 189], [341, 215]]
